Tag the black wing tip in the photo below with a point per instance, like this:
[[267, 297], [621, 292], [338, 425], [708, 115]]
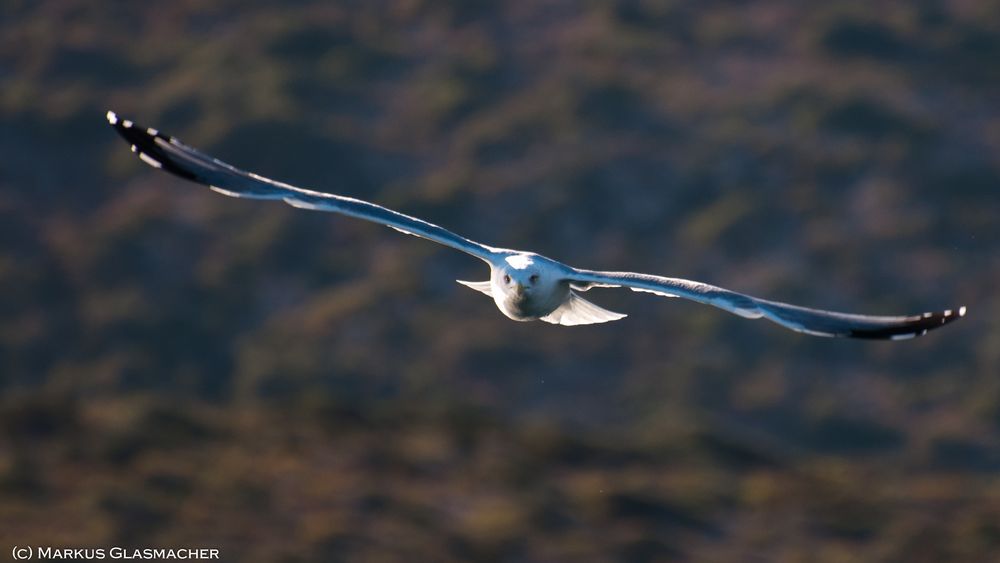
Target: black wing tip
[[143, 141], [917, 326], [131, 130]]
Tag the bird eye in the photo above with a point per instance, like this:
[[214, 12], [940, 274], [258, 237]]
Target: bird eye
[[506, 278], [533, 278]]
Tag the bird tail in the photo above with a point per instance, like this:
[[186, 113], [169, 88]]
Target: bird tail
[[482, 287]]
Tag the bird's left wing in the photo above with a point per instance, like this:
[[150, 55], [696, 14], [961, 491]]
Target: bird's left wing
[[169, 154], [800, 319]]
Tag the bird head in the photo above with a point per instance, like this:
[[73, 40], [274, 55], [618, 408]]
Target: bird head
[[520, 282], [520, 276]]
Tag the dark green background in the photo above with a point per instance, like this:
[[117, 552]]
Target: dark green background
[[183, 369]]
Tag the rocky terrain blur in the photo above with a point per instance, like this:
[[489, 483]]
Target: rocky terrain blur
[[182, 369]]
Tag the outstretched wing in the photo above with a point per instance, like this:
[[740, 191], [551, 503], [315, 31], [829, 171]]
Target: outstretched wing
[[169, 154], [799, 319]]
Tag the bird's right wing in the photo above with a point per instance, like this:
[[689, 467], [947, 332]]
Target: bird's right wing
[[169, 154], [800, 319]]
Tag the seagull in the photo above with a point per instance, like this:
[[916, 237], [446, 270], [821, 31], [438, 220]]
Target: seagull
[[524, 285]]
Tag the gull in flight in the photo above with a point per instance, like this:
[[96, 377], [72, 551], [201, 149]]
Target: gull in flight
[[524, 285]]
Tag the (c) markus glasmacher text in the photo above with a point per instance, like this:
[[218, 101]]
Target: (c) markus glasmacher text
[[25, 553]]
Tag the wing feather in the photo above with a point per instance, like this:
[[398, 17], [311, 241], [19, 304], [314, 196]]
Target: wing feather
[[800, 319], [169, 154]]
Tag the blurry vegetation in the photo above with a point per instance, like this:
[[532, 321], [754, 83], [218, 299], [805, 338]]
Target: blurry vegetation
[[180, 368]]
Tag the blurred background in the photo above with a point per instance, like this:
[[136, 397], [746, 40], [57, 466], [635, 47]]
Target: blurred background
[[183, 369]]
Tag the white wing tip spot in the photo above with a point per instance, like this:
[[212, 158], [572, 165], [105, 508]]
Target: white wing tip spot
[[112, 117], [961, 311], [152, 132], [127, 123], [150, 160]]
